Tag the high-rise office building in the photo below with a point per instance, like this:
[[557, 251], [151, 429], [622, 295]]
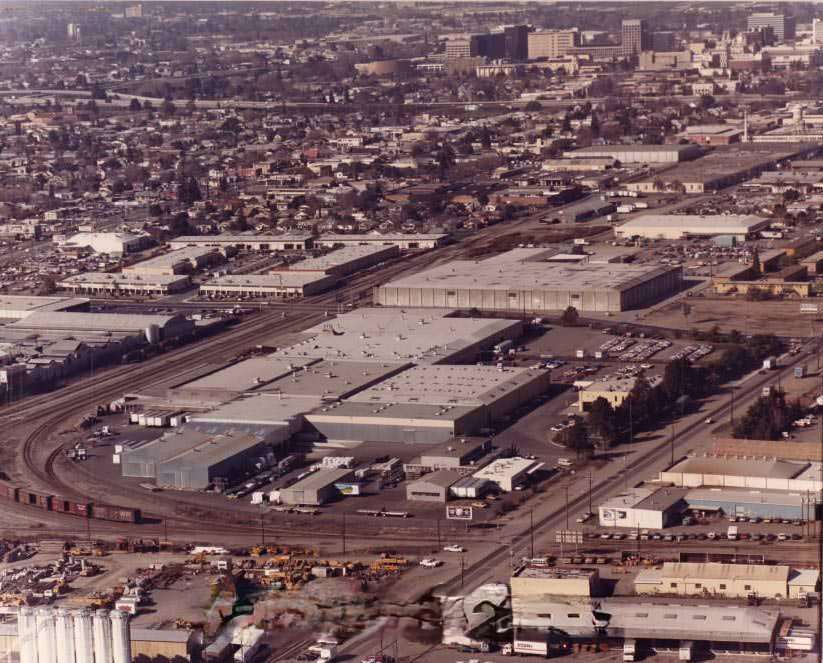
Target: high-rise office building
[[460, 48], [135, 11], [817, 31], [662, 42], [634, 38], [552, 43], [516, 42], [73, 31], [782, 25]]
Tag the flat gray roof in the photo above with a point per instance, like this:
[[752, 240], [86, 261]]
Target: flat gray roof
[[248, 374], [341, 256], [745, 467], [123, 278], [441, 478], [743, 496], [399, 413], [259, 409], [321, 479], [530, 275], [721, 224], [398, 335], [120, 322], [442, 384], [284, 279]]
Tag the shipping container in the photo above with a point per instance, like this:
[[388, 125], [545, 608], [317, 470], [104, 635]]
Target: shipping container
[[9, 492], [115, 513], [35, 498], [71, 507]]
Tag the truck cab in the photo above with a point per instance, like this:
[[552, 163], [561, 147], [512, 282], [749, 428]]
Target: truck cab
[[629, 651]]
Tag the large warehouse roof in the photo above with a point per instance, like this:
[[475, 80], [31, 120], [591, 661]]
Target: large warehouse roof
[[693, 224], [115, 322], [246, 374], [449, 385], [419, 335], [734, 466], [258, 410], [342, 256], [529, 275], [718, 571]]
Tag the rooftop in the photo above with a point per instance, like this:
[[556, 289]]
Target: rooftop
[[105, 322], [735, 466], [247, 374], [124, 278], [383, 334], [419, 413], [239, 239], [718, 571], [742, 496], [442, 478], [339, 257], [646, 497], [696, 224], [284, 279], [505, 467], [321, 479], [442, 384], [258, 410], [546, 573]]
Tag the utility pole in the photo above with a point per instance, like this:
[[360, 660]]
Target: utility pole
[[590, 491], [262, 530], [820, 540], [531, 532], [567, 509], [672, 442], [344, 533], [731, 409], [462, 570], [439, 544]]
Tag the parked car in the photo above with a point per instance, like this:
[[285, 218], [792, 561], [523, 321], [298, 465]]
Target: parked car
[[454, 548]]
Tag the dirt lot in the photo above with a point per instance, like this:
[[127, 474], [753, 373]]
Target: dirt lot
[[777, 317]]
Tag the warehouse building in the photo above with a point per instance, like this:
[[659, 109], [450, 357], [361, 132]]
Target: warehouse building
[[744, 472], [403, 242], [644, 507], [532, 286], [459, 455], [421, 336], [693, 629], [638, 153], [508, 473], [614, 390], [280, 285], [189, 459], [316, 489], [180, 261], [724, 166], [683, 226], [17, 307], [152, 328], [430, 403], [536, 583], [347, 260], [752, 503], [124, 283], [108, 243], [713, 579], [433, 487], [289, 242]]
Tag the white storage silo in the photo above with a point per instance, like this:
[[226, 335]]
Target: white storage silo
[[120, 637], [27, 635], [64, 636], [83, 636], [46, 642], [102, 637]]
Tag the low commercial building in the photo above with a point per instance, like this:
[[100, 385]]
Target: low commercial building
[[712, 134], [421, 336], [17, 307], [124, 283], [713, 579], [694, 628], [167, 643], [347, 260], [774, 504], [152, 328], [744, 473], [814, 263], [683, 226], [508, 473], [638, 153], [533, 584], [404, 242], [433, 487], [458, 454], [180, 261], [287, 242], [532, 286], [644, 507], [279, 285], [316, 489], [613, 390], [108, 243]]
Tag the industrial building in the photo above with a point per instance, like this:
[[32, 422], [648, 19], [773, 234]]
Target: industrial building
[[281, 285], [433, 487], [690, 628], [125, 283], [180, 261], [430, 403], [276, 416], [508, 473], [404, 242], [724, 166], [422, 336], [614, 390], [552, 43], [108, 243], [683, 226], [638, 153], [191, 459], [645, 507], [16, 307], [316, 489], [459, 455], [532, 285], [347, 260], [774, 504], [744, 473], [152, 327], [714, 579], [536, 583], [286, 242]]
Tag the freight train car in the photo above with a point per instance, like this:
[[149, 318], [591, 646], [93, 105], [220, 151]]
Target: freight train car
[[59, 504]]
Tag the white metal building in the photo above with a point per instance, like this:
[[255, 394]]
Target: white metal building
[[507, 473], [178, 261], [639, 153], [404, 242], [680, 226], [110, 243], [288, 242], [644, 507], [347, 260], [281, 285]]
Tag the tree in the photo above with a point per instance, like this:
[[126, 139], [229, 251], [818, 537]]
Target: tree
[[680, 378], [134, 105], [576, 436], [445, 159], [188, 191], [601, 422], [570, 317], [534, 106], [768, 417]]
